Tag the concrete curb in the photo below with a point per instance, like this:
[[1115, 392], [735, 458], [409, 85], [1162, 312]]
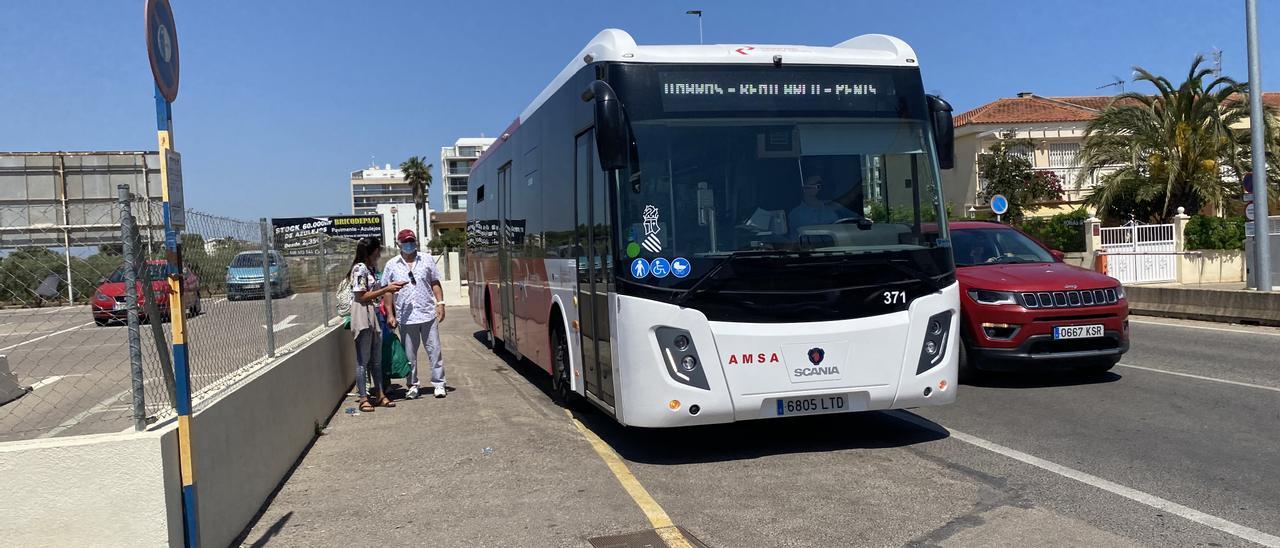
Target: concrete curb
[[1219, 305]]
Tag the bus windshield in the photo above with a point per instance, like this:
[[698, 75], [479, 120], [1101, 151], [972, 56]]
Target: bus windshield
[[717, 186], [766, 162]]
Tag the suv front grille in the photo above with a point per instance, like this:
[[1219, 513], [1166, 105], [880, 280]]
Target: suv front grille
[[1069, 299]]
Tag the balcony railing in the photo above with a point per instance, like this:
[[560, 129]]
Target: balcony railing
[[1073, 190]]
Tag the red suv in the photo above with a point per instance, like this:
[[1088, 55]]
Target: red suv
[[1023, 309]]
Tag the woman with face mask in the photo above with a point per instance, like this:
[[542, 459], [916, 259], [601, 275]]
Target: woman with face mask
[[366, 291]]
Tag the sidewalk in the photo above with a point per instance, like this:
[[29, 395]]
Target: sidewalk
[[482, 467]]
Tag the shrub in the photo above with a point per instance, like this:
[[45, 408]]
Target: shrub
[[1063, 232], [1204, 232]]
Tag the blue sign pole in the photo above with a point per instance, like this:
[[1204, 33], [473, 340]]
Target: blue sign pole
[[162, 52]]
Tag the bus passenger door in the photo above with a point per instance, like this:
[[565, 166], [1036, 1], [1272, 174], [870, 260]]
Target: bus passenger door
[[595, 260], [505, 258]]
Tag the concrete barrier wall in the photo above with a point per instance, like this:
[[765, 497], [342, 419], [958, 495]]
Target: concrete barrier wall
[[1080, 259], [97, 490], [247, 440], [1205, 304], [124, 489], [1211, 267]]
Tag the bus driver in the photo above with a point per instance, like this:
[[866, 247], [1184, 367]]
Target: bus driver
[[814, 210]]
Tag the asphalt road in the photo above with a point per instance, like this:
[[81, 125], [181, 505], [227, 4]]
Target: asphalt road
[[81, 372], [1177, 447]]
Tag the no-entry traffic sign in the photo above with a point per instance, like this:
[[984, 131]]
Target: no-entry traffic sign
[[162, 47]]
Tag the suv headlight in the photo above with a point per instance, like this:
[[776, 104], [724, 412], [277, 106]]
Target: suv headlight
[[985, 296], [1120, 292]]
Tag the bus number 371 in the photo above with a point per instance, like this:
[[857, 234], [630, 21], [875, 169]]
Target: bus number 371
[[895, 297]]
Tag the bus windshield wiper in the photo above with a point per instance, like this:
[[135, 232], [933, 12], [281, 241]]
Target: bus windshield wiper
[[698, 285], [902, 265]]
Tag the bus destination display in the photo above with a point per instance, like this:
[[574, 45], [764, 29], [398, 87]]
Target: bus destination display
[[761, 91]]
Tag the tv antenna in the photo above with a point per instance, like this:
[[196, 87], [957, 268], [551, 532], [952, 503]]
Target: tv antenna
[[1118, 83], [1217, 62]]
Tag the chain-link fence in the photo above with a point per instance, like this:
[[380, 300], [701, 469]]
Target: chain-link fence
[[65, 365], [74, 362]]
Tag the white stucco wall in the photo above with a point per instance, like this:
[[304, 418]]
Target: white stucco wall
[[124, 489], [98, 490]]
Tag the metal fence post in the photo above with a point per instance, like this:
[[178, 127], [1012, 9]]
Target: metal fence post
[[266, 286], [324, 280], [128, 232]]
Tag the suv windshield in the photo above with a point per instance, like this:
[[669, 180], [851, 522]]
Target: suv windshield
[[996, 246], [154, 271], [247, 260]]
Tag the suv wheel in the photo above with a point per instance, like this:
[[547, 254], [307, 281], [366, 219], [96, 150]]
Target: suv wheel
[[967, 372]]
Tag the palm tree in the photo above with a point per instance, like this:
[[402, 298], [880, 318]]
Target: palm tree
[[1171, 147], [418, 175]]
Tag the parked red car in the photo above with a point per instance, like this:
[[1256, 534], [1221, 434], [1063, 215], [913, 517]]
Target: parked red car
[[1023, 309], [109, 300]]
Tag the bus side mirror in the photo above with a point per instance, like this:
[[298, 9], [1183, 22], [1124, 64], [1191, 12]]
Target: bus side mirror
[[944, 131], [611, 128]]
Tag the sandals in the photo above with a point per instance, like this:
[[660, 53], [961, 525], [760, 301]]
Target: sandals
[[386, 402], [365, 406]]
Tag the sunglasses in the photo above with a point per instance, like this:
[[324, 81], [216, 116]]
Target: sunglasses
[[412, 279]]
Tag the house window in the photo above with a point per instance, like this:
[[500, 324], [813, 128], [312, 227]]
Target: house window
[[1063, 154]]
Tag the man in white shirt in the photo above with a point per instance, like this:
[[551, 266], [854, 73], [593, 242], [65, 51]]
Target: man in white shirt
[[417, 309]]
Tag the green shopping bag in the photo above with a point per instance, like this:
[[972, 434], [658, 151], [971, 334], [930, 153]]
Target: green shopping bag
[[395, 363]]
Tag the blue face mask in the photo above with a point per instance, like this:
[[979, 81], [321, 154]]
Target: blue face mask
[[408, 247]]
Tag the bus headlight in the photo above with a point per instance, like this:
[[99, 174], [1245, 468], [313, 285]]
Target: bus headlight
[[934, 348], [680, 357]]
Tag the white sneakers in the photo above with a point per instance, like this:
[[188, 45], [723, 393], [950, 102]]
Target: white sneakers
[[412, 394]]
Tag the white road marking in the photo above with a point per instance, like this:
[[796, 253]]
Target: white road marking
[[1200, 377], [102, 406], [285, 323], [46, 382], [218, 301], [43, 337], [294, 296], [1229, 527], [1206, 328]]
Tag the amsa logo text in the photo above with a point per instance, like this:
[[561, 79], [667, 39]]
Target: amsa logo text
[[762, 358]]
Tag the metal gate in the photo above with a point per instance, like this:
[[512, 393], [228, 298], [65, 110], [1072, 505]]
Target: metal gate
[[1138, 253]]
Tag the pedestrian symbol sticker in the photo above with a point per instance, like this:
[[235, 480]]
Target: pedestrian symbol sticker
[[652, 243], [680, 267], [639, 268], [660, 268]]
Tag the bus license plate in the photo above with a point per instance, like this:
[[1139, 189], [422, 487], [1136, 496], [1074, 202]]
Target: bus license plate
[[812, 405], [1077, 331]]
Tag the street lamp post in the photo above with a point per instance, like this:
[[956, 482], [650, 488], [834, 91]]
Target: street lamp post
[[699, 14], [1261, 230]]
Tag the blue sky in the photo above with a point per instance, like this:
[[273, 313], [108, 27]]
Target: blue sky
[[280, 100]]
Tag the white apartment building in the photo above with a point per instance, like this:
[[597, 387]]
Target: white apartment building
[[455, 170], [373, 186]]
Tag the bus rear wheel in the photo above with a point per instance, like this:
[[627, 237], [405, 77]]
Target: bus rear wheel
[[560, 384]]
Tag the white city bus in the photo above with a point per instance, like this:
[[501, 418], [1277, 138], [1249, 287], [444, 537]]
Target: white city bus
[[703, 234]]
